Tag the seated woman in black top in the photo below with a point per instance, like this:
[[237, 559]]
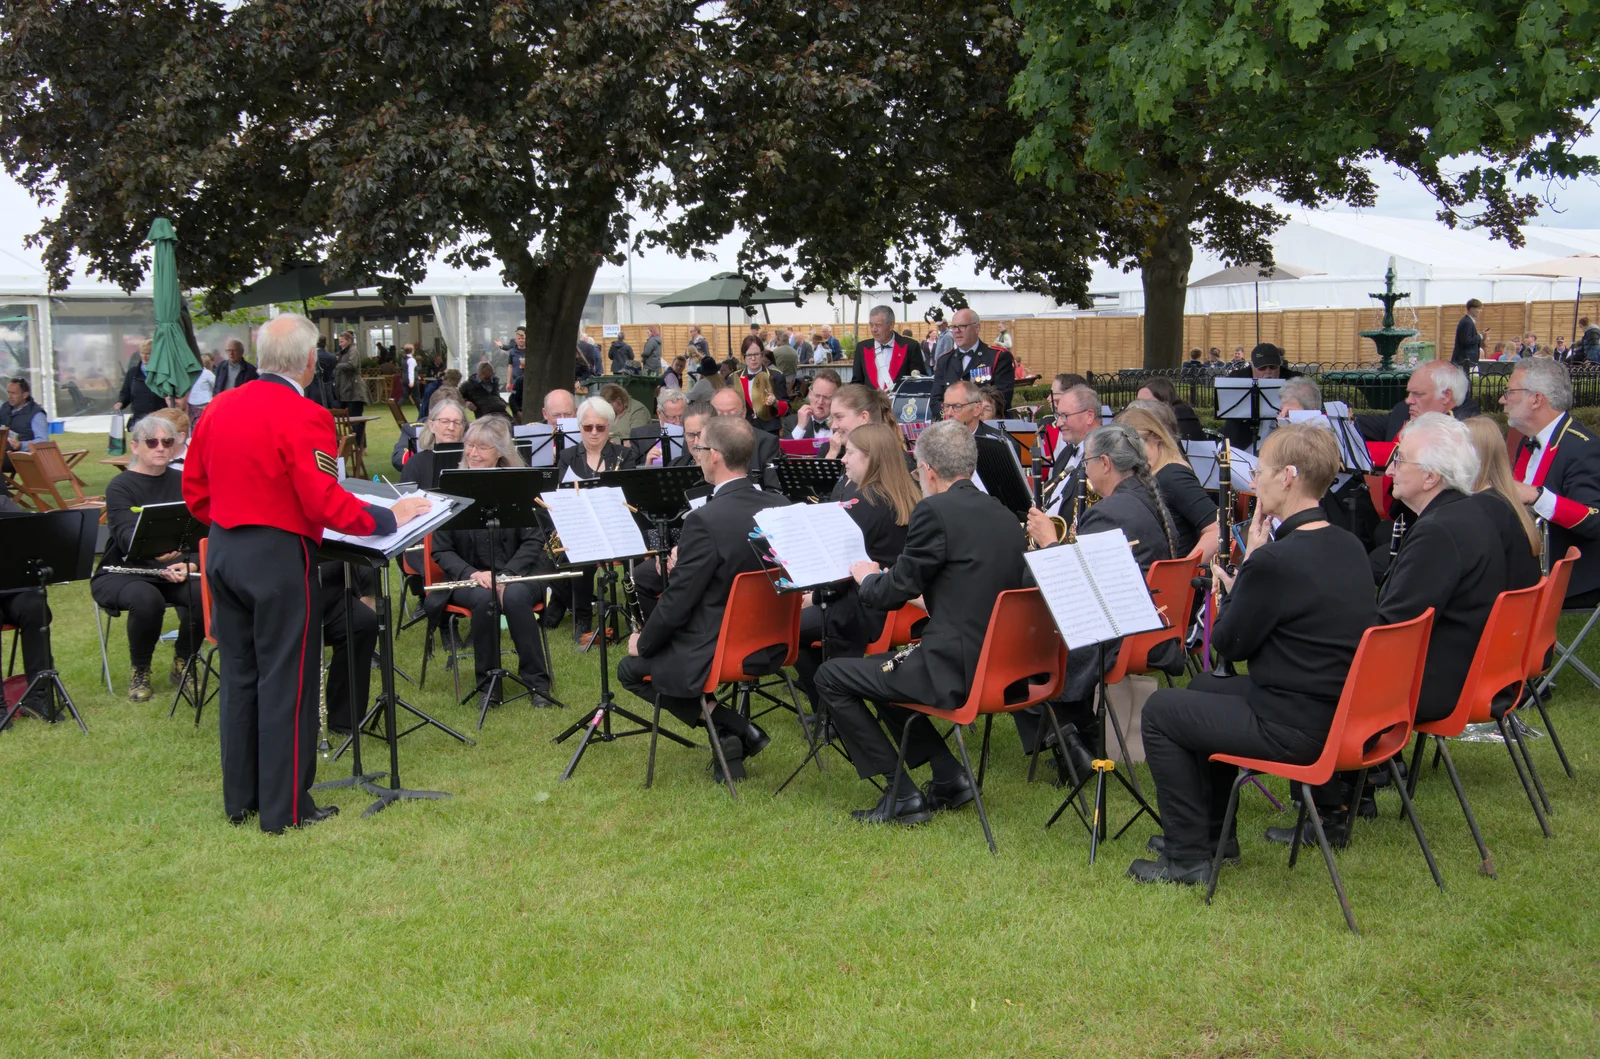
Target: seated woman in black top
[[1194, 511], [1294, 614], [586, 462], [446, 423], [466, 554], [880, 495], [1496, 488], [148, 480], [1160, 388]]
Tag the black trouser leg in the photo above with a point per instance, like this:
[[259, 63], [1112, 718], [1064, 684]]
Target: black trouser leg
[[347, 703], [27, 611], [1182, 729], [142, 604], [845, 684], [265, 614], [810, 657], [631, 673], [356, 408], [523, 624]]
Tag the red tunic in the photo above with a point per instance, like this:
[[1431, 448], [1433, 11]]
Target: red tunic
[[262, 455]]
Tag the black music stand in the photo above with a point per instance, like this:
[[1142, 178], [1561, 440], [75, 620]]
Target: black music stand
[[358, 777], [807, 481], [643, 439], [389, 701], [657, 489], [502, 498], [37, 551], [1251, 400], [1002, 475]]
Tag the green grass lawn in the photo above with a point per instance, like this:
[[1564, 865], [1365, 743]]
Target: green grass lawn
[[525, 916]]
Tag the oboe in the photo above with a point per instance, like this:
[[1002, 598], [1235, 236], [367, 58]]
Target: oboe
[[1397, 534], [450, 586], [140, 571]]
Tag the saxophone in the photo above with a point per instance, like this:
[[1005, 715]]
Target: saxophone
[[760, 390]]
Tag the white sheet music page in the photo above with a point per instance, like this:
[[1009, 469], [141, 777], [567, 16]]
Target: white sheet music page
[[1115, 572], [1094, 589], [1069, 594], [438, 512], [594, 524], [816, 543]]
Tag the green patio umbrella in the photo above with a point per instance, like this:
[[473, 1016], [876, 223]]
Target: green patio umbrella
[[726, 289], [174, 364]]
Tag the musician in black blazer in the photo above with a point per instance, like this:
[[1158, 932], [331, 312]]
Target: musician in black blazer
[[1077, 414], [765, 452], [1452, 559], [675, 648], [970, 356], [1558, 466], [885, 358], [963, 548]]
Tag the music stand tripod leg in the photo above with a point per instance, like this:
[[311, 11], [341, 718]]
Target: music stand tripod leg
[[50, 676], [387, 796]]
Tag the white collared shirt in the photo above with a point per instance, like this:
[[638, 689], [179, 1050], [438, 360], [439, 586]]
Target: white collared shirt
[[885, 358], [1545, 506], [966, 356]]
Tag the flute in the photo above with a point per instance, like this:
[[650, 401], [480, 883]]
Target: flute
[[140, 571], [446, 586]]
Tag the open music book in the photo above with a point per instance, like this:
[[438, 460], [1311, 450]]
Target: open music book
[[1094, 589], [815, 543], [441, 511], [594, 524]]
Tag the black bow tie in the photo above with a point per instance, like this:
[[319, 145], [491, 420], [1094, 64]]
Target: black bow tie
[[1532, 443]]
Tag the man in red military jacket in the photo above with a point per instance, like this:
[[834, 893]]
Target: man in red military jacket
[[886, 358], [261, 470]]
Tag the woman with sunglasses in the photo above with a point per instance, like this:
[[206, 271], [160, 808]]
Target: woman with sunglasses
[[145, 599], [586, 462]]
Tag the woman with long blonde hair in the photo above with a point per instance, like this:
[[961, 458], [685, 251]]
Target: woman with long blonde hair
[[1194, 513], [1495, 476]]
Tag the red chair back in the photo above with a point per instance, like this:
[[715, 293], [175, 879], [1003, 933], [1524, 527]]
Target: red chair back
[[1375, 702], [897, 629], [433, 573], [1171, 584], [1548, 615], [1498, 663], [756, 618], [1022, 644], [205, 595]]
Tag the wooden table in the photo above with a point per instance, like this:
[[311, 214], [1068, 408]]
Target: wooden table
[[117, 461]]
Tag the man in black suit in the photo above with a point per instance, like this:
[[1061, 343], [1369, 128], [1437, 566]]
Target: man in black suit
[[755, 365], [886, 358], [765, 451], [1451, 560], [1434, 387], [1077, 414], [679, 640], [235, 371], [971, 359], [1558, 469], [1469, 339], [962, 550], [813, 419]]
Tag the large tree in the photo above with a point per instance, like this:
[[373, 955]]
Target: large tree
[[375, 136], [1193, 105]]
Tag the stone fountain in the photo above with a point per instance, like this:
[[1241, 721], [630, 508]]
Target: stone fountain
[[1388, 338]]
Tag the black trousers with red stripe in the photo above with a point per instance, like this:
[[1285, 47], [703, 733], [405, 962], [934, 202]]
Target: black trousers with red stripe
[[266, 615]]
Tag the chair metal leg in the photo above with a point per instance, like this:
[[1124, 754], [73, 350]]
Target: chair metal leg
[[1356, 792], [102, 632], [983, 754], [716, 744], [1565, 655], [1413, 772], [427, 653], [1327, 856], [977, 793], [655, 732], [1514, 726], [1416, 825], [1294, 843], [1527, 786], [452, 632], [1555, 740], [1486, 864], [1245, 776]]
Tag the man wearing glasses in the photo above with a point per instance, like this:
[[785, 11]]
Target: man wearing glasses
[[675, 648], [963, 403], [970, 359], [1077, 410]]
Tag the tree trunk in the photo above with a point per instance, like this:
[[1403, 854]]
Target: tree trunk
[[553, 301], [1165, 275]]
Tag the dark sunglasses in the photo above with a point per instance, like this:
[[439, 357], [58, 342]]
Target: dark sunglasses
[[160, 443]]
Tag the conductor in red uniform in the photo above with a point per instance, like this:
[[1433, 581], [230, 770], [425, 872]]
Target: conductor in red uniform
[[261, 471]]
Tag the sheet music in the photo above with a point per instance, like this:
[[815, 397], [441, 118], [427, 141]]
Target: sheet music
[[594, 524], [569, 430], [439, 512], [1094, 589], [542, 435], [572, 476], [816, 543]]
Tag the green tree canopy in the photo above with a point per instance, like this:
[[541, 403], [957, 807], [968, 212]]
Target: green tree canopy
[[1192, 105]]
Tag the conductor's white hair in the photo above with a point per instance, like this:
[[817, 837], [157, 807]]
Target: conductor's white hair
[[285, 344], [1444, 446]]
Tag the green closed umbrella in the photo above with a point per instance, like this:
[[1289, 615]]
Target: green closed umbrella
[[174, 365]]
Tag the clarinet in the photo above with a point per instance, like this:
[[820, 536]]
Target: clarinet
[[1038, 467], [1396, 535], [1219, 666]]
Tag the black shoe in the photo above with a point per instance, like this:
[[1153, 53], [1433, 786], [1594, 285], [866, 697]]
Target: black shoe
[[319, 814], [553, 613], [582, 624], [755, 740], [910, 808], [539, 698], [733, 751], [238, 819], [1337, 836], [1367, 808], [1184, 873], [952, 794], [1230, 852], [342, 733]]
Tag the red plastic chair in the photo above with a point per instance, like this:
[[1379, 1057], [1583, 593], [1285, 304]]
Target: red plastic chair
[[897, 629], [757, 618], [1370, 727], [1543, 641], [432, 574], [1022, 646], [203, 660], [1490, 693]]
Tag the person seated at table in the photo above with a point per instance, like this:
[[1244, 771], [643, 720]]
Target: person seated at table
[[1160, 388], [586, 461], [145, 599], [630, 412], [881, 494], [472, 554], [1294, 614]]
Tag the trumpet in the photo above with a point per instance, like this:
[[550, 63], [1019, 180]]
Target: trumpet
[[140, 571], [450, 586]]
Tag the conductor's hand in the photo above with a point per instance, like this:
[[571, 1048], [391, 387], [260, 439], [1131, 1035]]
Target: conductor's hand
[[177, 573], [482, 579], [633, 645], [409, 508], [863, 570], [1040, 528]]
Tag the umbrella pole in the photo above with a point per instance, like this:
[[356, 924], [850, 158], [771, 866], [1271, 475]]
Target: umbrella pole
[[1258, 312], [1576, 302], [727, 329]]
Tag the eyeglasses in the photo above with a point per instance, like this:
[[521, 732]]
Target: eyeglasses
[[1509, 390], [702, 448], [449, 422], [961, 327], [160, 443], [1079, 412], [1395, 459], [692, 436], [948, 405], [594, 428]]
